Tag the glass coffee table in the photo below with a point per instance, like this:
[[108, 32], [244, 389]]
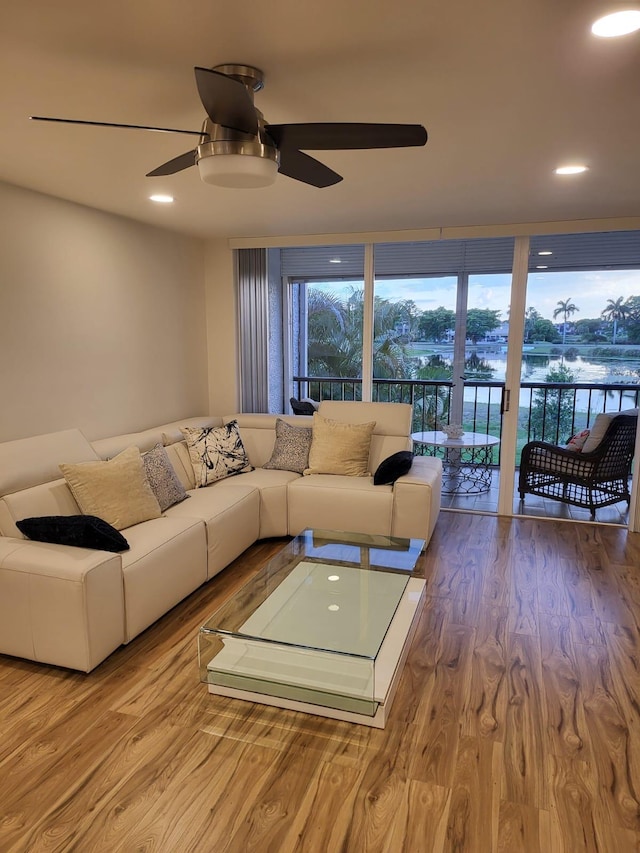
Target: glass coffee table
[[324, 627]]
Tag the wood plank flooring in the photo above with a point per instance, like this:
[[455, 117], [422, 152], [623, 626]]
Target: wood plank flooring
[[516, 726]]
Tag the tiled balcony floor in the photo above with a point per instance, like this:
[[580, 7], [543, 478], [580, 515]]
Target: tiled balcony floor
[[535, 506]]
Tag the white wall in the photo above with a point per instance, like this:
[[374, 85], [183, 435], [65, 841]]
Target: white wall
[[102, 320]]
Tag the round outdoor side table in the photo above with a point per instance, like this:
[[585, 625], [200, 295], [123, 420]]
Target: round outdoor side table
[[466, 461]]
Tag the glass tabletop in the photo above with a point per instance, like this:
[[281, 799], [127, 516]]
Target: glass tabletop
[[326, 590]]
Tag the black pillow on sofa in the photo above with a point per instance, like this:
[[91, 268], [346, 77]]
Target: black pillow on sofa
[[392, 467], [82, 531]]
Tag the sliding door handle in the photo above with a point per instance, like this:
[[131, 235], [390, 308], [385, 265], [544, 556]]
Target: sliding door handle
[[505, 401]]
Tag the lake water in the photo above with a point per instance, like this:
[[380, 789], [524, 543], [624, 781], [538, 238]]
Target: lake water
[[536, 367], [589, 371]]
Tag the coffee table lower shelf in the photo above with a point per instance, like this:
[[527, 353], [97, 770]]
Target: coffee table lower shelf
[[315, 682]]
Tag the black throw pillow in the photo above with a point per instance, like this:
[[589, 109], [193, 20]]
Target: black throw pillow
[[392, 467], [82, 531]]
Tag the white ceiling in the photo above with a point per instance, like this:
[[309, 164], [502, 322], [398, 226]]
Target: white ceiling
[[507, 89]]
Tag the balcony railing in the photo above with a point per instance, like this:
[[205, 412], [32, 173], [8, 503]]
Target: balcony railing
[[551, 411]]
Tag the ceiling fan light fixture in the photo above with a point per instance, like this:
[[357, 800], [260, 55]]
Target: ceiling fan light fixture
[[619, 23], [241, 165]]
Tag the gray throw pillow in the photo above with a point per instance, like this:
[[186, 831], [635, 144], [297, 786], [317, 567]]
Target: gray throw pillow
[[162, 477], [291, 450]]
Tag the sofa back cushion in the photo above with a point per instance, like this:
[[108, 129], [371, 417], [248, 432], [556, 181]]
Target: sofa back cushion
[[146, 439], [178, 454], [53, 498], [28, 462]]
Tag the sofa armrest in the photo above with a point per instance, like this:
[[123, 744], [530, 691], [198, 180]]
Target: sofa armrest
[[58, 604], [416, 499]]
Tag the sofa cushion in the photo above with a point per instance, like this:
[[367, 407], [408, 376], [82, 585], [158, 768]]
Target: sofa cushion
[[231, 513], [166, 562], [162, 477], [81, 531], [116, 491], [339, 448], [216, 453], [291, 450], [28, 462], [178, 454], [392, 467], [272, 486], [338, 502], [53, 498]]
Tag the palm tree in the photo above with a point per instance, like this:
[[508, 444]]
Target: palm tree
[[616, 311], [566, 308]]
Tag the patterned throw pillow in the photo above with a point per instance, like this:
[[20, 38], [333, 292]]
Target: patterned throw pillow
[[291, 450], [216, 453], [162, 477], [576, 442]]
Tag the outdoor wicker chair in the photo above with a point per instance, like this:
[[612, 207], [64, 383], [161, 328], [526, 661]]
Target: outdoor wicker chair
[[597, 477]]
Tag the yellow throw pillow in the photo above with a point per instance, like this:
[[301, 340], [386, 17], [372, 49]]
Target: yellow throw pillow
[[116, 491], [339, 448]]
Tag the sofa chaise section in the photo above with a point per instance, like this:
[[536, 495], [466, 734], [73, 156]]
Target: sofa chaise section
[[408, 508]]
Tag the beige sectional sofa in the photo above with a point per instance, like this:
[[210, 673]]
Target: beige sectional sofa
[[73, 606]]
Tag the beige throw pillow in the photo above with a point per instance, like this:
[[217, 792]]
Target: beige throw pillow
[[117, 491], [339, 448]]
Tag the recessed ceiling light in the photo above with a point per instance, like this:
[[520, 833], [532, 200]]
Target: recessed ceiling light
[[575, 169], [542, 267], [333, 607], [545, 252], [335, 260], [161, 199], [617, 24], [333, 578]]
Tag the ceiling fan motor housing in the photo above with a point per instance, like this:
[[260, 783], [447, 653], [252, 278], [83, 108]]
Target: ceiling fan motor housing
[[232, 158]]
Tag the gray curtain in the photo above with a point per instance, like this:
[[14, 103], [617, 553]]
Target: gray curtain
[[253, 313]]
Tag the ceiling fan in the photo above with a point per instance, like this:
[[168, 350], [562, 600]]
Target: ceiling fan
[[238, 148]]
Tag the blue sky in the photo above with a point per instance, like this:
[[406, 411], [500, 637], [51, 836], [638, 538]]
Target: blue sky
[[588, 290]]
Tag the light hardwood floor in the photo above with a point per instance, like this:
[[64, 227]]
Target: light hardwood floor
[[516, 726]]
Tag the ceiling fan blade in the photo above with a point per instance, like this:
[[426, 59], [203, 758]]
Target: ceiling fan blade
[[303, 168], [176, 165], [113, 124], [337, 136], [226, 101]]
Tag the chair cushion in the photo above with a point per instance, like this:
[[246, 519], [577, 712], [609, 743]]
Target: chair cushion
[[600, 426]]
